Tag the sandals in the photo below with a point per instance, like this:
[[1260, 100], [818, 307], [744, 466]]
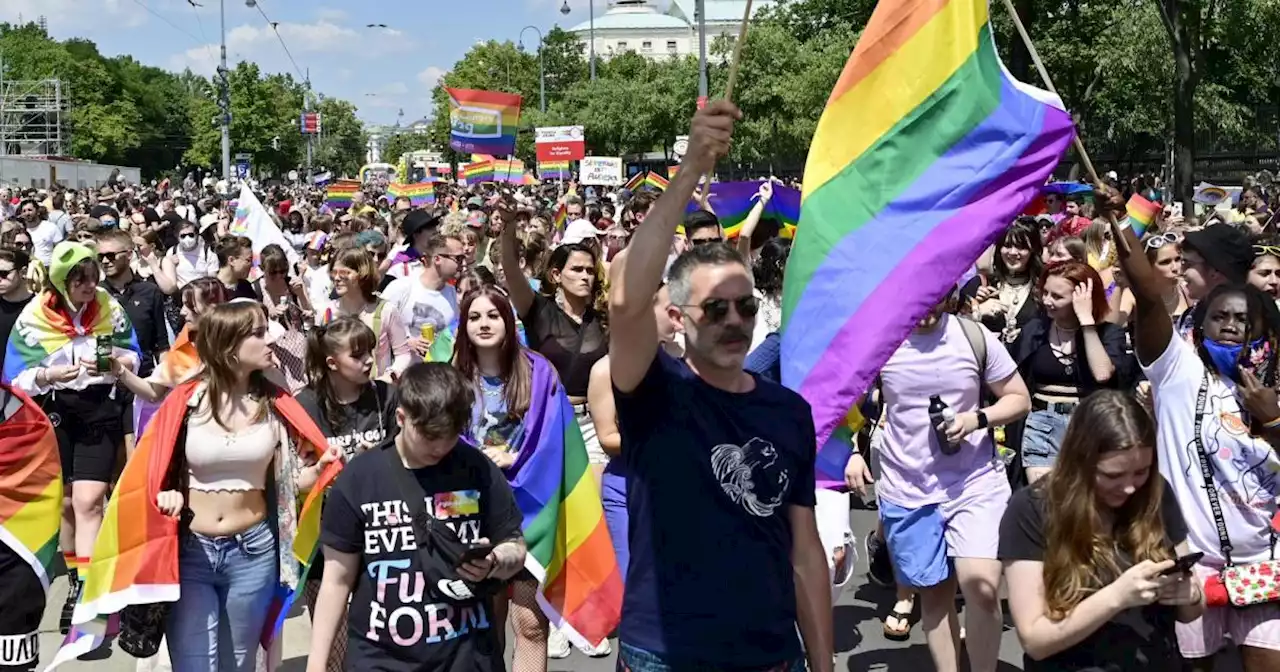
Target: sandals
[[902, 616]]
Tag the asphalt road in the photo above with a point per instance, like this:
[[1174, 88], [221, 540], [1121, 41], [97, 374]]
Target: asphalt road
[[860, 642]]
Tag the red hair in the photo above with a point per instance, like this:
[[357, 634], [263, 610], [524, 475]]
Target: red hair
[[1077, 273]]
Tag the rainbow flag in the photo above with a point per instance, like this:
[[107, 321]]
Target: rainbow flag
[[419, 194], [901, 196], [41, 331], [509, 171], [178, 365], [477, 158], [655, 181], [1141, 213], [635, 181], [671, 171], [135, 558], [733, 201], [475, 173], [30, 483], [529, 179], [483, 122], [339, 194], [570, 551], [561, 218], [554, 170]]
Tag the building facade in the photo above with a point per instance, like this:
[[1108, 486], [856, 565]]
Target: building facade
[[643, 27]]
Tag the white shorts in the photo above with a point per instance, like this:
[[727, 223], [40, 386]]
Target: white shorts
[[832, 514], [595, 454], [1257, 626]]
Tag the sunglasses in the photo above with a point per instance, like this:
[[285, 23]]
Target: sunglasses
[[109, 257], [703, 241], [185, 236], [715, 310], [1158, 241], [5, 274], [1260, 250], [456, 258]]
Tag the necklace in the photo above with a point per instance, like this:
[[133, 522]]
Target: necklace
[[1060, 351]]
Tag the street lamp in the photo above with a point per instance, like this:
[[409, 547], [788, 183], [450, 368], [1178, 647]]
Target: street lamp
[[542, 70], [591, 4]]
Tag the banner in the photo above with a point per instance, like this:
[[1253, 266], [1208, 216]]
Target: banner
[[483, 122], [560, 143], [605, 171], [253, 222]]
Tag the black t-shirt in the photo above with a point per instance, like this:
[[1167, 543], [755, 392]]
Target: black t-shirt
[[1136, 639], [9, 311], [369, 421], [708, 491], [572, 348], [243, 289], [396, 621]]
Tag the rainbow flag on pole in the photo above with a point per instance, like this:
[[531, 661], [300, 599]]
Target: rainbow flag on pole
[[654, 180], [475, 173], [339, 194], [510, 171], [570, 551], [30, 483], [483, 122], [901, 196], [1141, 213], [635, 181], [554, 170], [419, 194]]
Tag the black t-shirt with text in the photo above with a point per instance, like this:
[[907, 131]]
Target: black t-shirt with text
[[368, 422], [1136, 639], [396, 622], [711, 478]]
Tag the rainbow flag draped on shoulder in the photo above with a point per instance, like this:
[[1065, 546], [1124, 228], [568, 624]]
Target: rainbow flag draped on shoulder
[[135, 558], [30, 483], [925, 153], [483, 122], [570, 551], [43, 330]]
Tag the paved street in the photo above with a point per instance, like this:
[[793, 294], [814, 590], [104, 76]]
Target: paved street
[[860, 643]]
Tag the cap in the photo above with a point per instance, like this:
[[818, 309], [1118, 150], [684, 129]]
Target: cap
[[578, 231], [1225, 249], [475, 202], [416, 221], [208, 221]]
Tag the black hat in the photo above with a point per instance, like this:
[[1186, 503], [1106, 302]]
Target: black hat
[[1225, 249], [416, 221]]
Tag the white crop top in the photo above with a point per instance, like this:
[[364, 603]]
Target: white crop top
[[222, 460]]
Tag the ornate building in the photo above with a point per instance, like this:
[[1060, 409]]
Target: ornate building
[[641, 26]]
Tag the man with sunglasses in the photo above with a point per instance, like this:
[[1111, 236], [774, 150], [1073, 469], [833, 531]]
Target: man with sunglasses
[[726, 560], [702, 227], [427, 297], [14, 294], [1215, 255]]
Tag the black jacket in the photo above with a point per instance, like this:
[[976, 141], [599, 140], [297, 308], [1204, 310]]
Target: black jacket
[[144, 304], [1035, 335]]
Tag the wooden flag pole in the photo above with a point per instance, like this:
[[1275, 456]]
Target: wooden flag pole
[[728, 89], [1044, 74]]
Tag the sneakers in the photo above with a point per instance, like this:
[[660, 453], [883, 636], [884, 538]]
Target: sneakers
[[879, 566], [69, 607], [600, 651], [557, 646]]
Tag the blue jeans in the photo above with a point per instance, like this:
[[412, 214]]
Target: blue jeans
[[631, 659], [614, 499], [227, 584]]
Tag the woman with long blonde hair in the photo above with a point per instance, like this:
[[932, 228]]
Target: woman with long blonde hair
[[1088, 550]]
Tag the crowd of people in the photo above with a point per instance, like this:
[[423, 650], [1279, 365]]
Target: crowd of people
[[1094, 382]]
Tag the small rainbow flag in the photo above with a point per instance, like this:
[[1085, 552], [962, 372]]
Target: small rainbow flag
[[1141, 213], [477, 158], [529, 179], [635, 181], [733, 201], [509, 171], [671, 171], [655, 181], [475, 173], [554, 170], [339, 194], [483, 122], [419, 194], [561, 219], [900, 197]]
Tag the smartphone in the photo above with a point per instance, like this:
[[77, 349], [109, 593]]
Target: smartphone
[[474, 553], [1184, 564], [103, 354]]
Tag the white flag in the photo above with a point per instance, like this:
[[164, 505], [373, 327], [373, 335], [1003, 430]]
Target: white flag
[[253, 222]]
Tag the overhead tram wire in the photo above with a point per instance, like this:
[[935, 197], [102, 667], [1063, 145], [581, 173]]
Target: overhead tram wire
[[257, 4], [175, 26]]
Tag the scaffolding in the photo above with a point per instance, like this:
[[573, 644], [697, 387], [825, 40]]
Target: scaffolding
[[32, 117]]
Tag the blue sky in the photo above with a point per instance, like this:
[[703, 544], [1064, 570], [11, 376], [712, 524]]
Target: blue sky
[[381, 70]]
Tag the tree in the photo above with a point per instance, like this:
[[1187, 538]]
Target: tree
[[341, 146]]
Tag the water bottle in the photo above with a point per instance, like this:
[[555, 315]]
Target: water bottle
[[942, 414]]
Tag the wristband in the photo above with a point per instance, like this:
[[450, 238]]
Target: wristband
[[1124, 223], [1084, 325], [1271, 424]]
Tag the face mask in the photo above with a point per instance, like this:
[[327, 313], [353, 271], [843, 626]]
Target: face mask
[[1226, 356], [188, 244]]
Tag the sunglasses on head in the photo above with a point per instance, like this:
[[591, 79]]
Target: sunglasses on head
[[716, 310], [1260, 250], [1160, 240]]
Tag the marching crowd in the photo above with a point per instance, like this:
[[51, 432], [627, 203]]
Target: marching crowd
[[1081, 386]]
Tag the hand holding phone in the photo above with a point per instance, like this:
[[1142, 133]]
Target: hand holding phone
[[1183, 564], [475, 553]]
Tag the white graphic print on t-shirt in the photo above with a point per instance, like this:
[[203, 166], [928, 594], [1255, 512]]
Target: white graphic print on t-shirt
[[751, 476], [397, 610]]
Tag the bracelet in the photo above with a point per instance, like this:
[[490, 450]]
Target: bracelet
[[1086, 326], [1124, 223], [1271, 424]]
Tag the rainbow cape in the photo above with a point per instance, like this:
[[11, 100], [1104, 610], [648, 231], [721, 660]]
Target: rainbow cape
[[41, 330], [339, 194], [554, 170], [135, 559], [419, 194], [570, 551], [1141, 213], [176, 366], [30, 483], [901, 196], [483, 122], [733, 201]]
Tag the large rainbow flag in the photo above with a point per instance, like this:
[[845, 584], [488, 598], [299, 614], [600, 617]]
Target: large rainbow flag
[[30, 483], [339, 194], [483, 122], [901, 196], [554, 170], [41, 331], [135, 558], [510, 171], [419, 194], [570, 551], [733, 201]]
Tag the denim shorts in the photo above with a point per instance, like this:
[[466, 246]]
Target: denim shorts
[[1042, 438]]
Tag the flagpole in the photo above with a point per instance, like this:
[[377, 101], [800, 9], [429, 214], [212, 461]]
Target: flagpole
[[733, 79], [1044, 74]]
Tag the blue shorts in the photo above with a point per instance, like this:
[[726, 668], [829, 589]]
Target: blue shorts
[[917, 543], [1042, 438]]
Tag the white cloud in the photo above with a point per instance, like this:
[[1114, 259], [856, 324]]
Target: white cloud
[[66, 17], [431, 76], [330, 14], [257, 42]]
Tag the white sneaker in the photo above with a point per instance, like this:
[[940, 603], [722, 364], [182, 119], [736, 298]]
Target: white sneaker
[[600, 651], [557, 646]]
